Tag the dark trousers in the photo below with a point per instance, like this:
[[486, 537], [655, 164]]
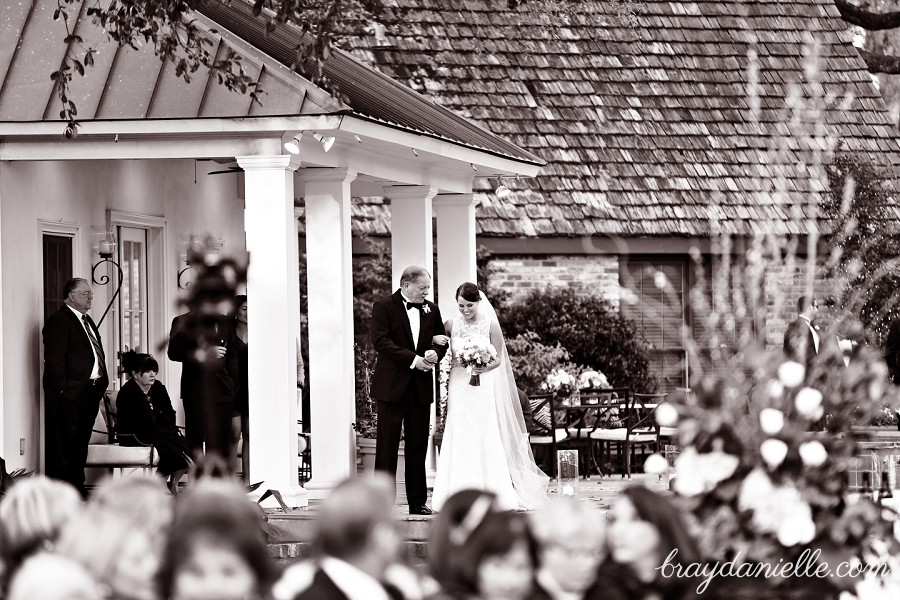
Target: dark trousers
[[67, 432], [194, 423], [413, 416], [211, 425]]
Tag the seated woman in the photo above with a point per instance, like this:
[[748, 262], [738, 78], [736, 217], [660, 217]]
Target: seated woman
[[146, 416]]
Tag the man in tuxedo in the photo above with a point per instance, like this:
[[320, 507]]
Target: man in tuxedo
[[75, 380], [208, 380], [357, 540], [801, 340], [403, 325]]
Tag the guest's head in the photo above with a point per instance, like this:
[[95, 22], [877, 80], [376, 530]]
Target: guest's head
[[356, 524], [240, 310], [216, 546], [143, 368], [53, 577], [77, 294], [807, 307], [33, 513], [570, 537], [415, 283], [645, 528], [142, 498], [116, 549], [480, 551]]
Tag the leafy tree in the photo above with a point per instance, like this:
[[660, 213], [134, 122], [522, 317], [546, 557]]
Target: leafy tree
[[589, 328], [866, 244]]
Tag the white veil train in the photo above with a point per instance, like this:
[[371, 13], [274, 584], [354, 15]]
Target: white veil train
[[528, 480]]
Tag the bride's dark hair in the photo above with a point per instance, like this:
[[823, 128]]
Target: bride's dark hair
[[468, 291]]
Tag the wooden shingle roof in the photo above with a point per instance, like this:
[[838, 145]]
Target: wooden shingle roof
[[662, 124]]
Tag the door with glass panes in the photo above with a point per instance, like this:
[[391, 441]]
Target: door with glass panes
[[131, 311]]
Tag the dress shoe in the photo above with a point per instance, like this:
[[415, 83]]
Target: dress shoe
[[420, 510]]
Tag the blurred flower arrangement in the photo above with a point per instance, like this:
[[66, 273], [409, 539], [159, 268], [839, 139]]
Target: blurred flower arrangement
[[767, 453], [592, 380], [559, 382]]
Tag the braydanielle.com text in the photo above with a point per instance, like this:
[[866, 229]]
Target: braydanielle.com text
[[806, 565]]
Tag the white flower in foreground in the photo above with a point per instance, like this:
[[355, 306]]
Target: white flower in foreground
[[656, 464], [755, 488], [798, 528], [777, 510], [666, 415], [776, 389], [697, 473], [809, 403], [773, 452], [791, 373], [813, 454], [771, 420]]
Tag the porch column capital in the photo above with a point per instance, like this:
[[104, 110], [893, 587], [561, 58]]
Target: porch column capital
[[412, 192], [289, 162], [455, 200], [341, 175]]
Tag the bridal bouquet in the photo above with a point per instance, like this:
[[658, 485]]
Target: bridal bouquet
[[477, 353]]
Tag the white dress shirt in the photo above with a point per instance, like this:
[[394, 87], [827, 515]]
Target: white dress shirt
[[815, 334], [95, 370], [415, 323], [354, 583]]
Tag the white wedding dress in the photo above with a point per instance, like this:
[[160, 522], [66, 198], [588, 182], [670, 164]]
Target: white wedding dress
[[477, 452]]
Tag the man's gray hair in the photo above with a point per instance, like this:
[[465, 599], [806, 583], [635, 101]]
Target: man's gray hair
[[413, 273]]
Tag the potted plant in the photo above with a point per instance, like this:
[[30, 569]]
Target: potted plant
[[366, 424]]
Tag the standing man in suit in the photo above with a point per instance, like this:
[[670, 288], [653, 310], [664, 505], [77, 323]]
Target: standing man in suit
[[403, 325], [801, 340], [208, 380], [75, 380]]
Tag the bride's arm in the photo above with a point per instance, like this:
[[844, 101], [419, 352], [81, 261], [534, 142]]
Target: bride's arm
[[497, 343]]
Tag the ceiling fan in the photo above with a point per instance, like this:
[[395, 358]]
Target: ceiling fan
[[231, 168]]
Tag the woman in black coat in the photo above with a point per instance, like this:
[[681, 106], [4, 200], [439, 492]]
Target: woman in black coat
[[146, 416]]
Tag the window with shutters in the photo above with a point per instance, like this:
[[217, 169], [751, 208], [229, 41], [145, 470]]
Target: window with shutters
[[656, 305]]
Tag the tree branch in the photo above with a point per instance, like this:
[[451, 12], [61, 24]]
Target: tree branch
[[870, 21], [880, 63]]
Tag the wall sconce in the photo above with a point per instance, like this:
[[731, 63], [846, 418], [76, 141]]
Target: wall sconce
[[502, 191], [105, 246], [196, 250]]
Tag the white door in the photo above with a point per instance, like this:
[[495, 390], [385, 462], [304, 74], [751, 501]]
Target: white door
[[133, 299]]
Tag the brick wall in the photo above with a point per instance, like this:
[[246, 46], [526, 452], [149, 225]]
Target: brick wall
[[784, 286], [593, 274]]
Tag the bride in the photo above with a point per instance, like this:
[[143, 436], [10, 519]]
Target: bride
[[485, 443]]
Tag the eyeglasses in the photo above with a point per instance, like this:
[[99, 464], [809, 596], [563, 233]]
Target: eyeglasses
[[87, 294]]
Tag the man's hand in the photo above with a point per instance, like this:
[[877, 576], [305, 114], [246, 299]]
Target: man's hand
[[431, 356], [220, 351], [422, 364]]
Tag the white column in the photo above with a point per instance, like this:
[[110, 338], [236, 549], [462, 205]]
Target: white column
[[412, 235], [412, 243], [456, 248], [330, 291], [272, 308]]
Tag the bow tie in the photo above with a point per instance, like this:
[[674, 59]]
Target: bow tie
[[412, 305]]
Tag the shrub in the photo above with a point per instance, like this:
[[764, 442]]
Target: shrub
[[532, 360], [589, 328]]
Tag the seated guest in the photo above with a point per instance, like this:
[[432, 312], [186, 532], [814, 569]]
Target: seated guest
[[116, 549], [645, 528], [32, 514], [146, 417], [52, 577], [570, 539], [482, 553], [216, 546]]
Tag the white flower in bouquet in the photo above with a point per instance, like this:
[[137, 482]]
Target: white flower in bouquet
[[666, 415], [813, 454], [776, 389], [592, 380], [476, 352], [791, 373], [809, 403], [771, 420], [773, 452], [697, 473]]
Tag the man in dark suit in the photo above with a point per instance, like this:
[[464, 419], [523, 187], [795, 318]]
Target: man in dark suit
[[357, 541], [801, 340], [403, 326], [208, 380], [75, 380]]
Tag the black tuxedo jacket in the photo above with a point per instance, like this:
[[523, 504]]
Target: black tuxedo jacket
[[799, 344], [391, 336], [183, 343], [68, 356], [323, 588]]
